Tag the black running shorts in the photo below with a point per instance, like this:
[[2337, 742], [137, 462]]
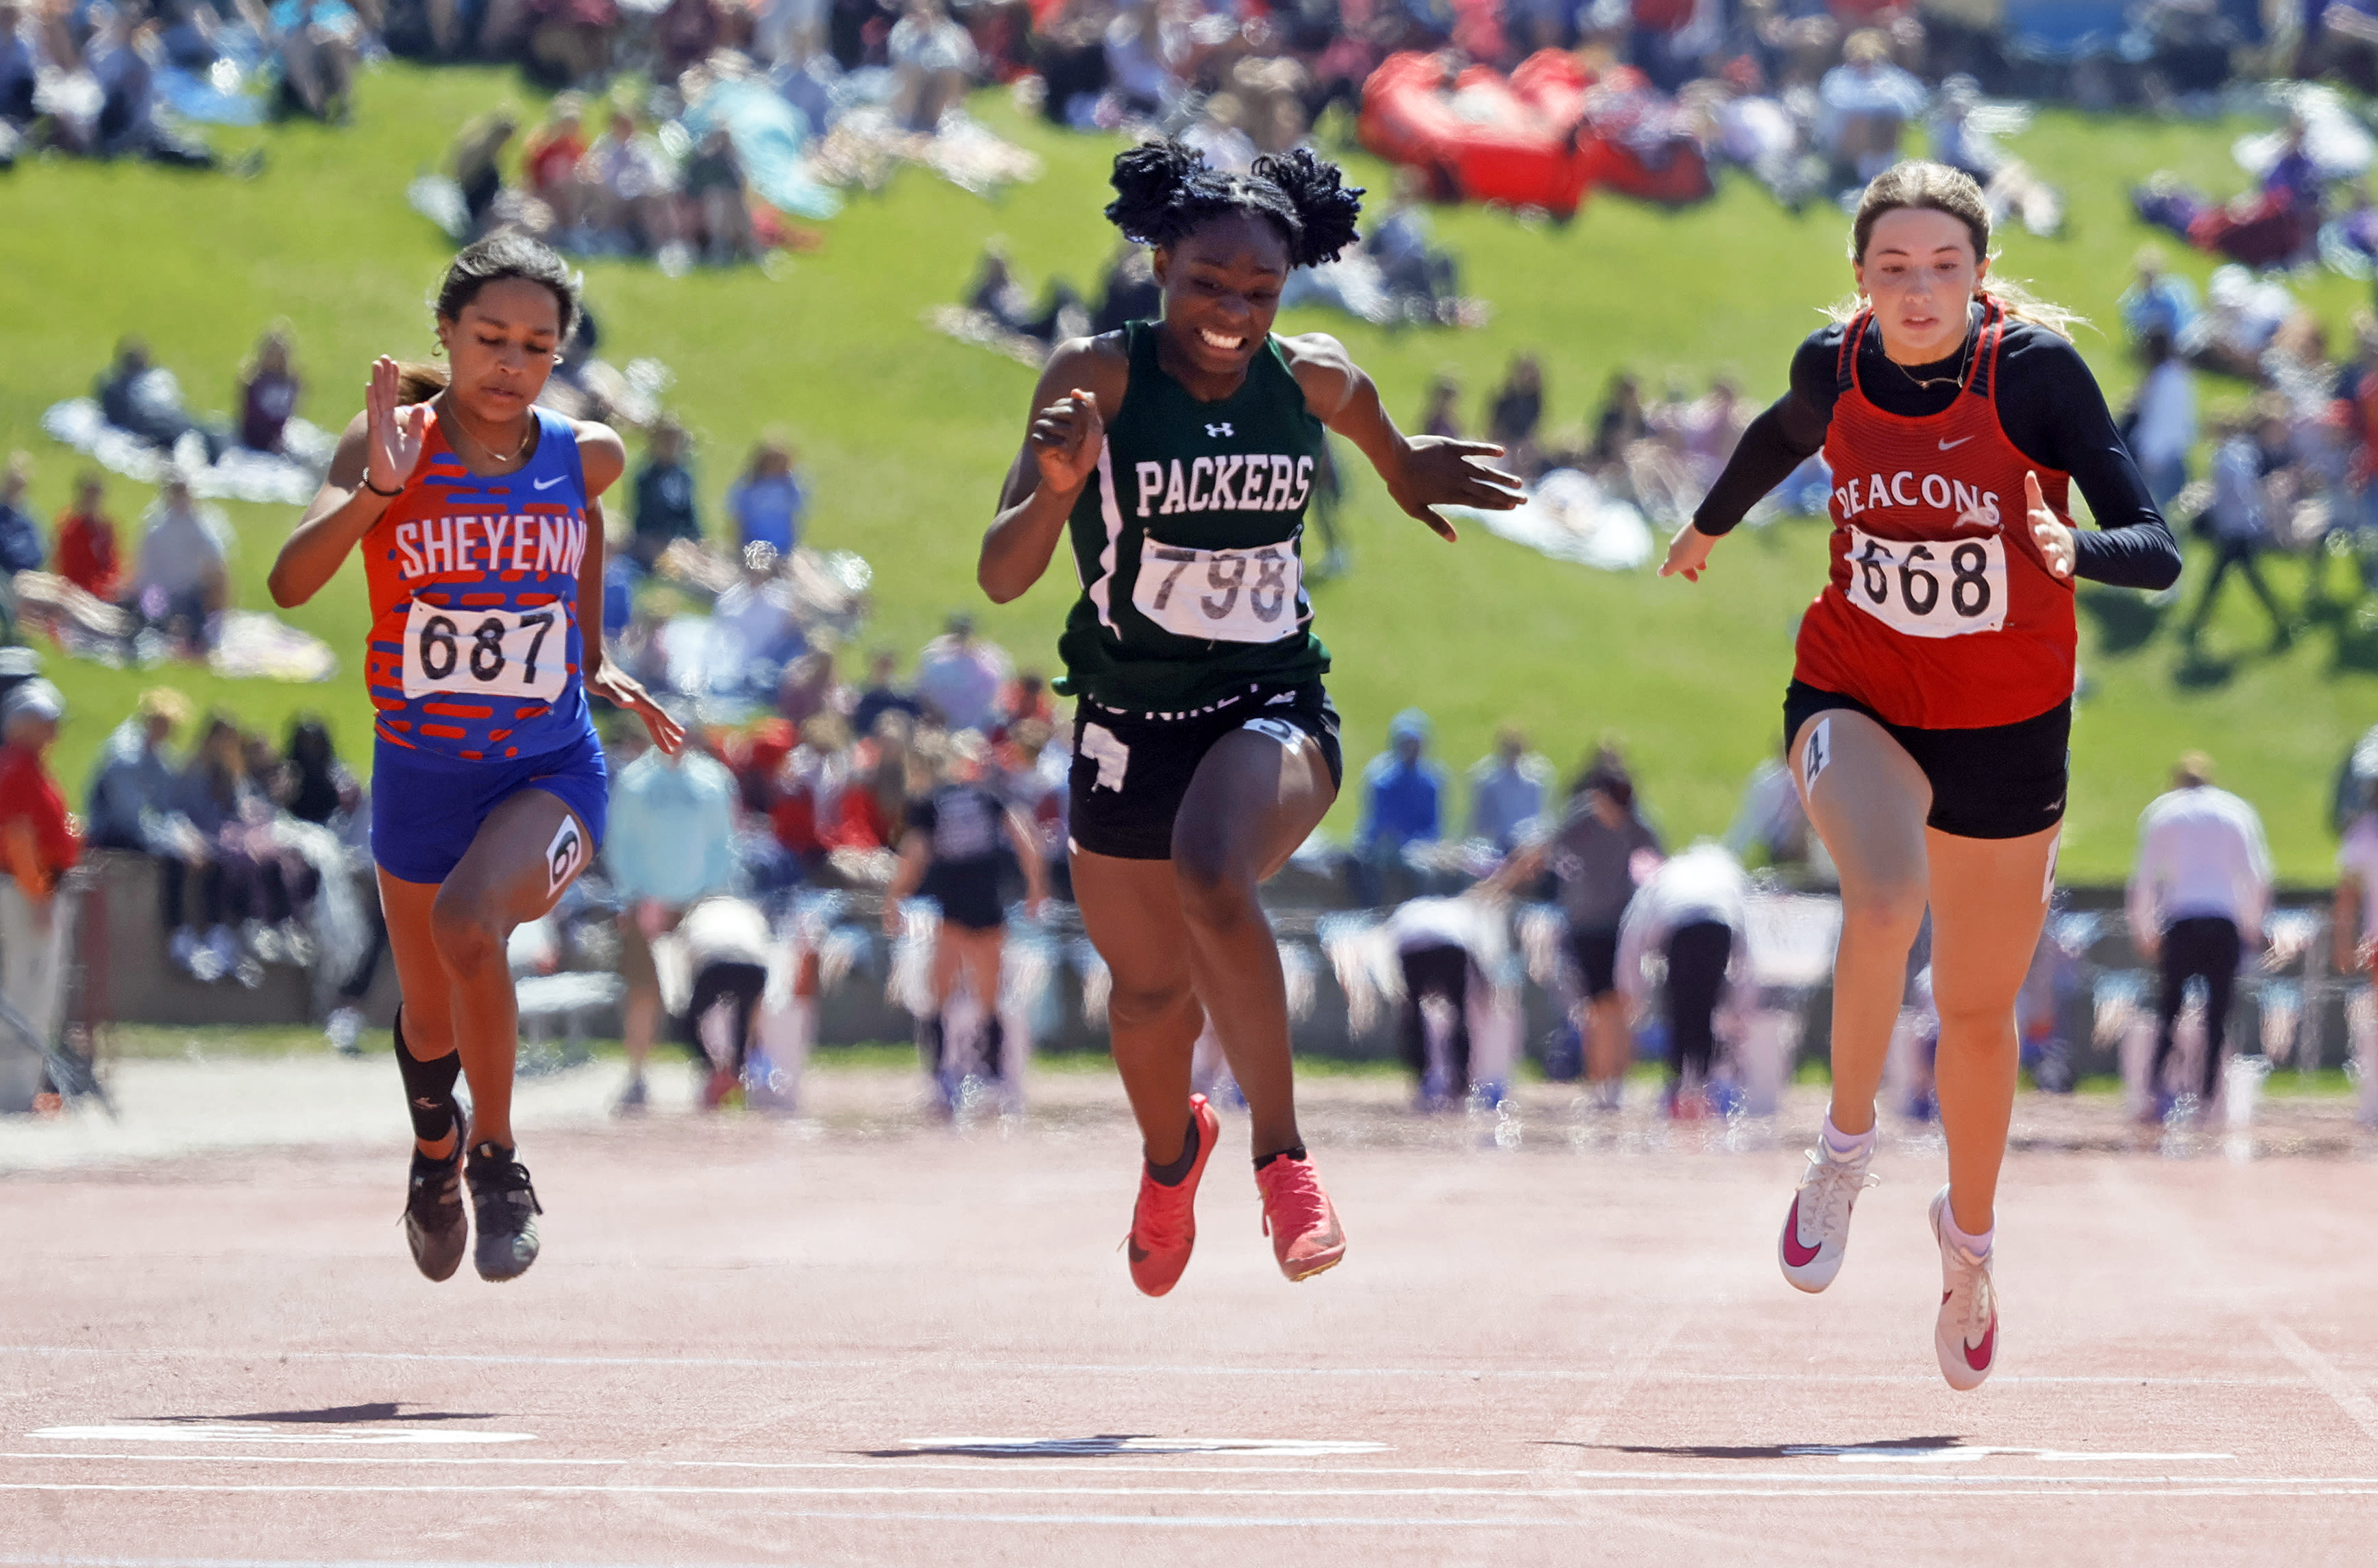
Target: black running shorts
[[1131, 769], [2006, 781], [1596, 957]]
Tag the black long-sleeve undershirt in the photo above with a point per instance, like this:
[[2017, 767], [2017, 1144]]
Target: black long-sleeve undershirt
[[2047, 403]]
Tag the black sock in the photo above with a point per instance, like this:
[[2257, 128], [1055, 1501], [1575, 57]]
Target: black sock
[[994, 1047], [1293, 1152], [929, 1029], [1174, 1174], [429, 1089]]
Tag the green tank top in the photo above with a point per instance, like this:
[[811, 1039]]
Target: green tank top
[[1186, 542]]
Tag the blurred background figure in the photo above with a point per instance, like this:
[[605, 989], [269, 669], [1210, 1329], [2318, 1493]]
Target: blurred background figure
[[180, 580], [769, 501], [1404, 793], [959, 676], [87, 554], [1507, 790], [1600, 851], [1433, 940], [1692, 916], [39, 842], [2197, 902], [670, 841], [20, 536], [665, 498], [269, 388]]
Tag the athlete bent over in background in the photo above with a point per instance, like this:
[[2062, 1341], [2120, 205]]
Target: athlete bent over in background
[[482, 541], [1929, 709], [1177, 457]]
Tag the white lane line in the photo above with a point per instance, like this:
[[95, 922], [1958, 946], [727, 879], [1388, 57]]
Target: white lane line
[[1799, 1478], [1602, 1401], [1622, 1484], [1101, 1369], [360, 1436], [1032, 1447], [871, 1466], [2358, 1407], [2095, 1488]]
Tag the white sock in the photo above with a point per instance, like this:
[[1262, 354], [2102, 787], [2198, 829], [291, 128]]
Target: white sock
[[1846, 1145], [1975, 1247]]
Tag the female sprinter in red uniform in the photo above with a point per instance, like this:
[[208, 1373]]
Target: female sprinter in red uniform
[[1178, 456], [1930, 707], [482, 539]]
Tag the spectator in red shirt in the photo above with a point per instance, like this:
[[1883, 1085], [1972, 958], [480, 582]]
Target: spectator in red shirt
[[39, 841], [86, 542]]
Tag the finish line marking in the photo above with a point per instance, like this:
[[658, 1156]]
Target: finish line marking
[[368, 1436]]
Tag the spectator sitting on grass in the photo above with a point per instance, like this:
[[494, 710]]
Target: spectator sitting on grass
[[1516, 414], [663, 495], [631, 190], [86, 542], [267, 394], [550, 165], [20, 536], [475, 155], [133, 789], [145, 401], [933, 62], [179, 583], [959, 676], [38, 844], [1507, 790], [769, 500]]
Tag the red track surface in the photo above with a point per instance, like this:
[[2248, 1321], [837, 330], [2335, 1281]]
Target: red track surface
[[761, 1344]]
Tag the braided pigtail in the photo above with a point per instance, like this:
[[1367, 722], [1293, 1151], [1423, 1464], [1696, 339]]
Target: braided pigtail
[[1325, 206], [1153, 183]]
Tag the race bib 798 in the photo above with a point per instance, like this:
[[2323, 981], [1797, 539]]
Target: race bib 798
[[488, 653], [1929, 587], [1222, 595]]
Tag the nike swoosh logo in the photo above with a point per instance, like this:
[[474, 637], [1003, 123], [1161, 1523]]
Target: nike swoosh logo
[[1960, 441], [1137, 1253], [1978, 1356], [1795, 1254], [550, 484]]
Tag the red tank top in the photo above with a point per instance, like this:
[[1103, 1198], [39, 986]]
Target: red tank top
[[1942, 613]]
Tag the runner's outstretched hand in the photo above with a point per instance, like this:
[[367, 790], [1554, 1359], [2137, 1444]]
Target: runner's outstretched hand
[[1440, 471], [1689, 554], [623, 691]]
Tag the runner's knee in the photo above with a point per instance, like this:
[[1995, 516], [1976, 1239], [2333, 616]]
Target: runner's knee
[[469, 937], [1149, 1005], [1883, 908]]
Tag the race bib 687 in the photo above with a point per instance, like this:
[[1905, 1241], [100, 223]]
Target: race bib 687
[[1929, 587], [490, 652], [1224, 595]]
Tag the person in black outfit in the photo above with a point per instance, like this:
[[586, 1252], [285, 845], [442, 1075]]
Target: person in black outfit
[[954, 850]]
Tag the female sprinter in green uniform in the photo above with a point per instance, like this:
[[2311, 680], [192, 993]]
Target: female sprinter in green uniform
[[1178, 455]]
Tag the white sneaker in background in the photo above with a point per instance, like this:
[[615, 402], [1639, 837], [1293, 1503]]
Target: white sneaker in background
[[345, 1028], [1816, 1230], [1966, 1336]]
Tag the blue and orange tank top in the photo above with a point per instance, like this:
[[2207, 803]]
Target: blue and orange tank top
[[474, 652]]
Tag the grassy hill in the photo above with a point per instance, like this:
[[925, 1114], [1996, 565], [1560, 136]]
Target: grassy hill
[[907, 432]]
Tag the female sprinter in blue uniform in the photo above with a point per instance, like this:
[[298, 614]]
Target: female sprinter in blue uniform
[[482, 539]]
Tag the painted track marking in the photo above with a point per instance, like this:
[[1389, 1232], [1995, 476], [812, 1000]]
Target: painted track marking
[[365, 1436], [2358, 1407]]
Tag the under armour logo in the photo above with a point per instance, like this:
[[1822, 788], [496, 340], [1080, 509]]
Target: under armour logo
[[1219, 430]]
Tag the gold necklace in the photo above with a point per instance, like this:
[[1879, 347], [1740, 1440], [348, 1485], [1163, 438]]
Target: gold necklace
[[478, 441]]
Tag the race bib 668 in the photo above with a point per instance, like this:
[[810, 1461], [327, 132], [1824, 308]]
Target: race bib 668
[[1222, 595], [1929, 587], [491, 653]]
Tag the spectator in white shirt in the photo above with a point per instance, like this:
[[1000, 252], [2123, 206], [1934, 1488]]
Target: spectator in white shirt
[[1506, 791], [179, 581], [1694, 913], [2200, 891], [960, 679]]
